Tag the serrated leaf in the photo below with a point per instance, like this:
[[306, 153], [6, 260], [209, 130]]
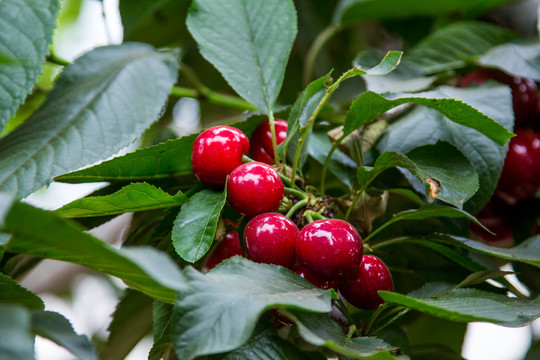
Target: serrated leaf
[[55, 327], [465, 305], [320, 330], [351, 11], [390, 61], [131, 321], [133, 197], [217, 312], [451, 47], [27, 27], [195, 226], [426, 126], [15, 332], [445, 99], [166, 160], [12, 292], [248, 42], [519, 59], [41, 233], [100, 104]]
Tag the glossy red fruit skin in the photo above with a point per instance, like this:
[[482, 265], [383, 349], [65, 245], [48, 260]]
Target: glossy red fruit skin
[[314, 278], [216, 152], [271, 239], [261, 140], [371, 276], [331, 248], [520, 177], [255, 188], [227, 248]]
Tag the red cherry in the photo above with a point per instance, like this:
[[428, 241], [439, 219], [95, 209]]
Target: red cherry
[[520, 177], [255, 188], [261, 140], [271, 239], [330, 248], [314, 278], [216, 153], [494, 216], [371, 276], [228, 247]]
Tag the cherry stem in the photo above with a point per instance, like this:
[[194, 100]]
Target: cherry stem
[[295, 207], [353, 203], [298, 193], [375, 315], [327, 162], [274, 137], [310, 215]]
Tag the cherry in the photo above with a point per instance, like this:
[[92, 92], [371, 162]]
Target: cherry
[[314, 278], [255, 188], [216, 153], [271, 239], [331, 248], [520, 177], [262, 149], [494, 216], [371, 276], [524, 93], [228, 247]]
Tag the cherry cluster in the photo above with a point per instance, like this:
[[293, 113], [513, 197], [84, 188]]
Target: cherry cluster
[[326, 252], [520, 178]]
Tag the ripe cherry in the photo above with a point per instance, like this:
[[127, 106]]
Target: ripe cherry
[[216, 153], [520, 177], [255, 188], [314, 278], [271, 239], [261, 140], [331, 248], [228, 247], [494, 216], [371, 276]]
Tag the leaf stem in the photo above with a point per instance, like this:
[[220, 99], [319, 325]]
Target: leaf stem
[[315, 48], [295, 207], [397, 240]]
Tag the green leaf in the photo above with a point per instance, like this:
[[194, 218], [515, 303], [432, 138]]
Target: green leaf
[[131, 321], [447, 100], [41, 233], [320, 330], [55, 327], [465, 305], [517, 59], [248, 42], [133, 197], [101, 103], [351, 11], [27, 27], [15, 332], [166, 160], [451, 47], [217, 312], [390, 61], [12, 292], [195, 226], [426, 126]]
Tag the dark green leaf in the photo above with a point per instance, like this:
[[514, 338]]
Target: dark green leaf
[[55, 327], [452, 46], [15, 332], [101, 103], [165, 160], [195, 227], [429, 351], [340, 165], [133, 197], [27, 27], [248, 42], [217, 312], [131, 321], [12, 292], [320, 330], [41, 233], [425, 126], [517, 59]]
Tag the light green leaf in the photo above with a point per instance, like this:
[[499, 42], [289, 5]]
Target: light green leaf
[[12, 292], [15, 332], [195, 227], [248, 42], [521, 59], [133, 197], [27, 27], [58, 329], [101, 103], [217, 312]]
